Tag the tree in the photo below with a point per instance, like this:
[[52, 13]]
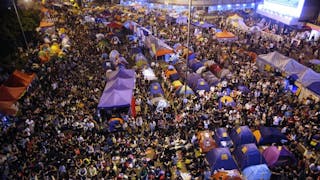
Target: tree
[[11, 36]]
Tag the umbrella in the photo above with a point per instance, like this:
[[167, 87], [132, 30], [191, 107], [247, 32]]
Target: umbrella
[[184, 90]]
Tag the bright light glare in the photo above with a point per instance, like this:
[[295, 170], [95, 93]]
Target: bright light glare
[[285, 10]]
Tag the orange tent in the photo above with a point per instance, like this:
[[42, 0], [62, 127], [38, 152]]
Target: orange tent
[[225, 34], [44, 24], [206, 141], [227, 175], [19, 79], [169, 72]]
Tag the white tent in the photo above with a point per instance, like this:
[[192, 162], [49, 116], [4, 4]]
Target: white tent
[[274, 59], [293, 67], [149, 74]]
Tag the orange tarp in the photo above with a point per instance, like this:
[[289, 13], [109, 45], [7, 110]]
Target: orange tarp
[[163, 51], [11, 93], [13, 89], [44, 24], [225, 34], [8, 107]]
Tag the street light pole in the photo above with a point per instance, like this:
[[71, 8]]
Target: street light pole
[[188, 42], [20, 24]]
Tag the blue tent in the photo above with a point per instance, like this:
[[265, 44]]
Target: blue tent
[[174, 77], [222, 138], [155, 88], [260, 171], [248, 155], [219, 158], [202, 85], [269, 135], [242, 135]]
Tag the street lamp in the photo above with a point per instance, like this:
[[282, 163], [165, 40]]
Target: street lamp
[[20, 24], [188, 42]]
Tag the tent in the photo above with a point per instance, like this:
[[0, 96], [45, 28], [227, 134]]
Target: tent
[[203, 24], [226, 101], [155, 88], [248, 155], [148, 74], [224, 35], [119, 84], [315, 87], [255, 172], [114, 123], [220, 158], [242, 135], [158, 47], [182, 20], [210, 78], [294, 68], [268, 135], [115, 99], [227, 175], [202, 85], [308, 77], [272, 60], [19, 79], [278, 156], [11, 93], [176, 84], [12, 89], [121, 73], [206, 142], [222, 138], [45, 24], [184, 90], [192, 79]]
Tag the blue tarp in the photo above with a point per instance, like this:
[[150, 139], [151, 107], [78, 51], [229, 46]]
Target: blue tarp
[[270, 135], [155, 88], [115, 99], [242, 135], [248, 155], [121, 73], [260, 172], [315, 87], [222, 137], [219, 158]]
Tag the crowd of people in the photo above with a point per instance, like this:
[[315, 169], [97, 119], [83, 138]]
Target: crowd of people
[[60, 135]]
